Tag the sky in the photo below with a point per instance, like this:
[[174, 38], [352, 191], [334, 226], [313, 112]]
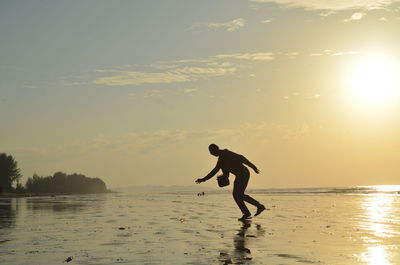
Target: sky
[[133, 92]]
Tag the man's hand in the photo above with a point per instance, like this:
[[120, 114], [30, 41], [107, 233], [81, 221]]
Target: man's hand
[[198, 181], [256, 170]]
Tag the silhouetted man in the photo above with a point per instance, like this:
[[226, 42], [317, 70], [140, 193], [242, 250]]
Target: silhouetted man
[[230, 162]]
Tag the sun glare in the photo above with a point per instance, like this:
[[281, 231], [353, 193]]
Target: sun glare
[[373, 82]]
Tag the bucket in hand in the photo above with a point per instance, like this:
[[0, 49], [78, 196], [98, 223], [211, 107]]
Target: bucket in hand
[[223, 181]]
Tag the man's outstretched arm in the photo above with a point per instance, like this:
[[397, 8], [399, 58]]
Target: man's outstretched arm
[[209, 175], [248, 163]]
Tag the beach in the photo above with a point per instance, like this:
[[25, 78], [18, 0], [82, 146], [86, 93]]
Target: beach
[[299, 227]]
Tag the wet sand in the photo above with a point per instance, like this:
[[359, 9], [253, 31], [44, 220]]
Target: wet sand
[[153, 228]]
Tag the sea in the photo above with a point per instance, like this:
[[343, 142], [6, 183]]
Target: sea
[[341, 225]]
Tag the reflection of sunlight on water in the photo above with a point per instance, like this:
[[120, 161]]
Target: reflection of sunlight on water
[[378, 216], [376, 256], [378, 209], [386, 188]]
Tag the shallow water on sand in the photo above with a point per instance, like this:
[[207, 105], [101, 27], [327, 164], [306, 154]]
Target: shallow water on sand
[[155, 228]]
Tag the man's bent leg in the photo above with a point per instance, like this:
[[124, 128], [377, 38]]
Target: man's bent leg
[[260, 207], [250, 200], [238, 194]]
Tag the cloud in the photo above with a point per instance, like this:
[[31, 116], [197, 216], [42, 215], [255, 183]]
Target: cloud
[[331, 4], [266, 21], [178, 71], [331, 53], [229, 26], [138, 78], [297, 133], [346, 53], [355, 16], [214, 60], [315, 96], [260, 56], [292, 54], [189, 90], [326, 13], [185, 74]]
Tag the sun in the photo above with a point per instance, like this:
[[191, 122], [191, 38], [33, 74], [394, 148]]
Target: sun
[[373, 81]]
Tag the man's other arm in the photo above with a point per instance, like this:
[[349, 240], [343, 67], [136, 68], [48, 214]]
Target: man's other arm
[[248, 163]]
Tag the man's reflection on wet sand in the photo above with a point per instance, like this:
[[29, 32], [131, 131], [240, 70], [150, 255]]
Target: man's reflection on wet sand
[[241, 253]]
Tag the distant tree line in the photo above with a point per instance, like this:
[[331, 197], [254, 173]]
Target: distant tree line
[[58, 183], [63, 183]]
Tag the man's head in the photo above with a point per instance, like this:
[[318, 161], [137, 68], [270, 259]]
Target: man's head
[[214, 149]]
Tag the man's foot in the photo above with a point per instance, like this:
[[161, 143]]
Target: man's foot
[[260, 209], [244, 217]]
